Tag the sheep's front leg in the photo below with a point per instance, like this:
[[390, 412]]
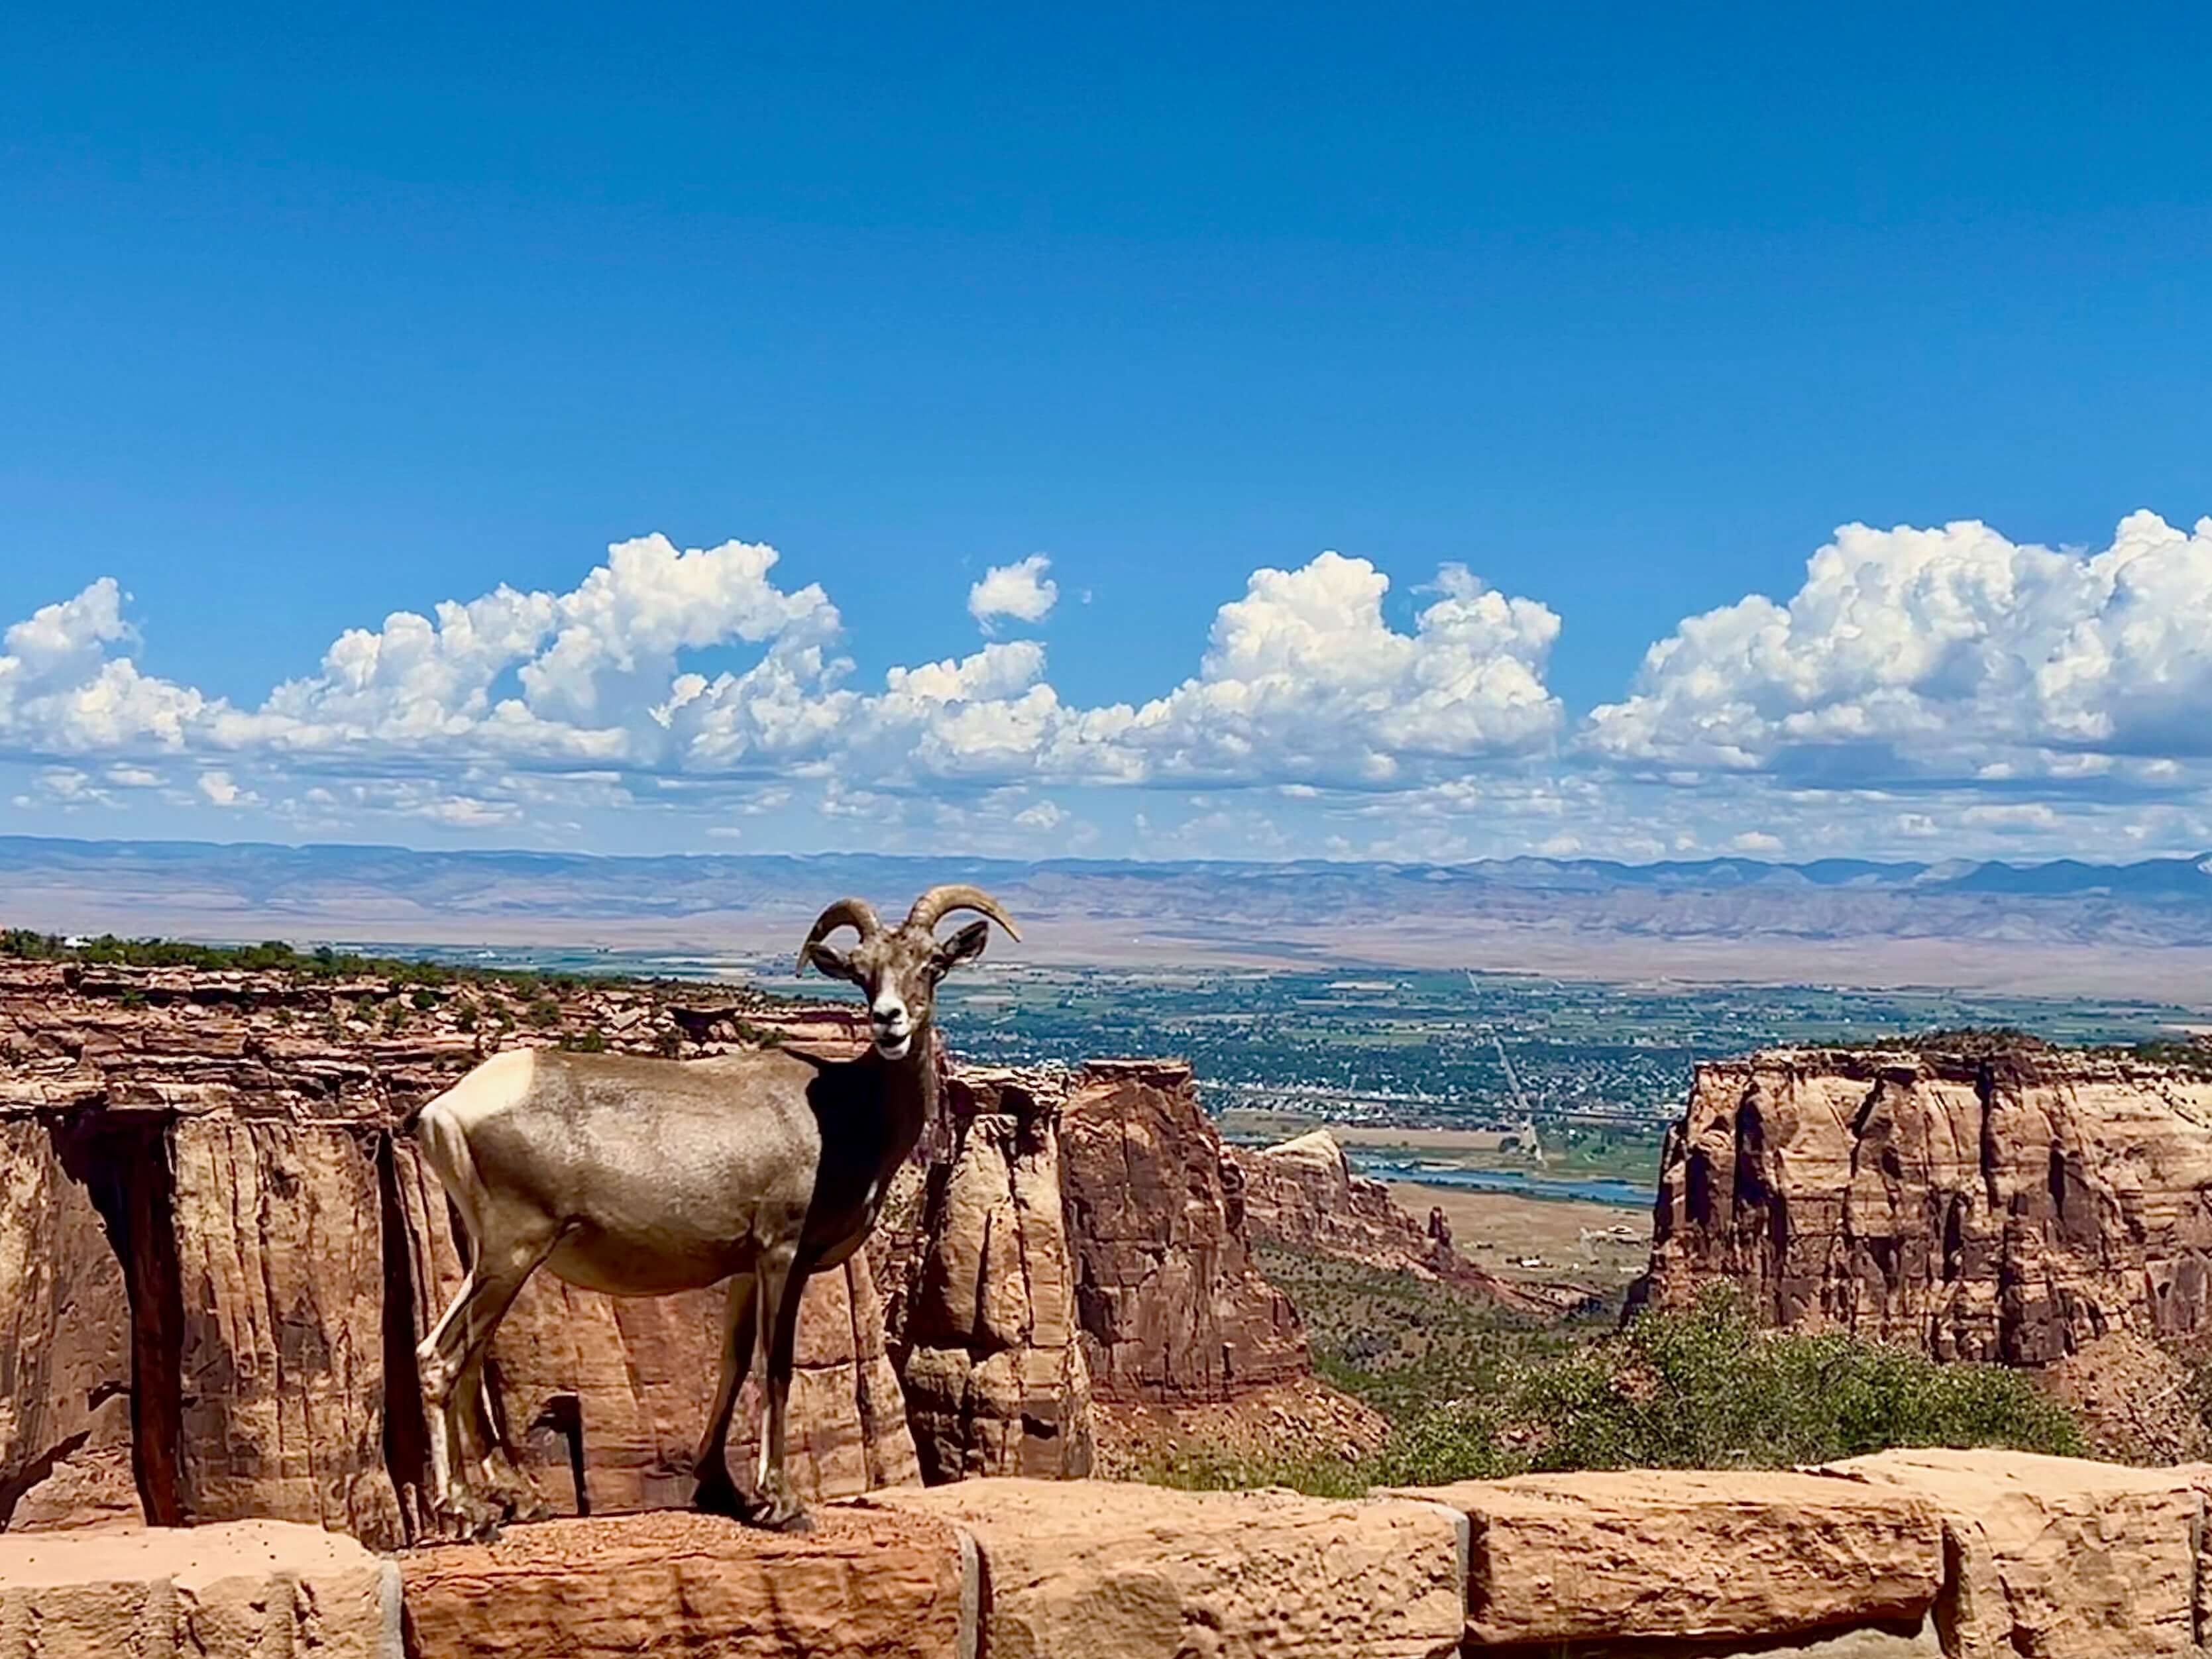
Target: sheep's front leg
[[781, 1285], [716, 1492]]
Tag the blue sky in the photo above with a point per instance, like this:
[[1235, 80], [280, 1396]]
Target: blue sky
[[311, 319]]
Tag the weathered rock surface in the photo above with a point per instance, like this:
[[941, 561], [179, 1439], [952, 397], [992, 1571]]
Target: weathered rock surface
[[64, 1344], [219, 1255], [1096, 1570], [863, 1586], [1977, 1555], [275, 1234], [2011, 1205], [1171, 1307], [2054, 1558], [986, 1339], [247, 1589], [1302, 1195], [1681, 1554]]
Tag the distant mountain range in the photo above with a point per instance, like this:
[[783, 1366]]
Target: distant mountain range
[[1711, 918]]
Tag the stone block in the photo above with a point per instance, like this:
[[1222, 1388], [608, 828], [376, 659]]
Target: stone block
[[1101, 1570], [862, 1586], [2055, 1558], [242, 1590], [1691, 1554]]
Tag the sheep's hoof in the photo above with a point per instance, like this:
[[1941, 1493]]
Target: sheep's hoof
[[468, 1518], [516, 1495], [792, 1520], [526, 1507], [722, 1498]]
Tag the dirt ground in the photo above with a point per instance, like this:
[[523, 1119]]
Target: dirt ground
[[1269, 1128], [1300, 1421], [1503, 1232]]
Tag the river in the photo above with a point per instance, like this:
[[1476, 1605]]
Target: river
[[1627, 1194]]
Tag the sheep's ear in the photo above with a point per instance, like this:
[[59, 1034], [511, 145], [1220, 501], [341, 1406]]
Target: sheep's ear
[[831, 961], [963, 946]]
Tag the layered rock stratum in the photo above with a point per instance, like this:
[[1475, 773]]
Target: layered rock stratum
[[2006, 1202]]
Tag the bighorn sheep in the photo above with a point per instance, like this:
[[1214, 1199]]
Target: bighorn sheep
[[643, 1176]]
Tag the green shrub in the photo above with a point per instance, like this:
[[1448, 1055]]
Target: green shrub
[[1698, 1387], [1705, 1387]]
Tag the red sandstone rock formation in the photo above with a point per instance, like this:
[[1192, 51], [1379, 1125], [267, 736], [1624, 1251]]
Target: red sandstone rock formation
[[216, 1257], [1302, 1195], [2011, 1205], [984, 1323], [1084, 1234], [1172, 1309], [65, 1342]]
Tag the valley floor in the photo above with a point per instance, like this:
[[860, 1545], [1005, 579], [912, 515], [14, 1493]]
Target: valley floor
[[1537, 1241]]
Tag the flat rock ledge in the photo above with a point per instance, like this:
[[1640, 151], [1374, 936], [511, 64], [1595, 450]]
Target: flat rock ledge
[[1969, 1555], [240, 1589]]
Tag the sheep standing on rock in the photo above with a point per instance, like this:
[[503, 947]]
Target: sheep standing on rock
[[640, 1176]]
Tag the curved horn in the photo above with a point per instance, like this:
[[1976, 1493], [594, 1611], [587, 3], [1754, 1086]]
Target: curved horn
[[844, 913], [939, 903]]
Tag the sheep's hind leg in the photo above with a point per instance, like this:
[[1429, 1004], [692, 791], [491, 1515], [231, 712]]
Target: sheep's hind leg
[[503, 1479], [716, 1492], [451, 1360], [781, 1287]]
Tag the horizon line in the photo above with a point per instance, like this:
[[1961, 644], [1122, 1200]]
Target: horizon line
[[1716, 860]]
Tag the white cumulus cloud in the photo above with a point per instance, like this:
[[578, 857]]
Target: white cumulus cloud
[[65, 690], [1920, 689], [1948, 652], [1021, 591], [1304, 680]]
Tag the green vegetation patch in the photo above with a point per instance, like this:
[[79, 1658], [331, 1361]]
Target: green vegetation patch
[[1476, 1393], [1705, 1387], [271, 955]]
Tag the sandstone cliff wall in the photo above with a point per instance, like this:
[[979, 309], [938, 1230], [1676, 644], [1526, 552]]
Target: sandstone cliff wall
[[222, 1249], [216, 1257], [1172, 1309], [2015, 1206], [64, 1341]]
